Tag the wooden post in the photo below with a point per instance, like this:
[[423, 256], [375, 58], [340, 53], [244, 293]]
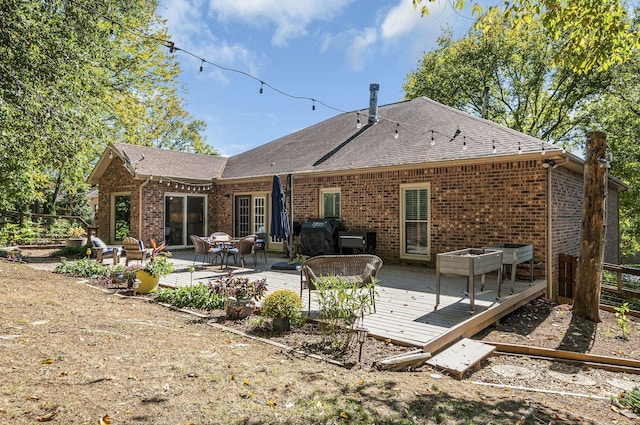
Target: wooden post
[[587, 294]]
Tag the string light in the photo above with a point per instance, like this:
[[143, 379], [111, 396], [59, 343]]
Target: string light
[[464, 143], [543, 151], [172, 49], [160, 181]]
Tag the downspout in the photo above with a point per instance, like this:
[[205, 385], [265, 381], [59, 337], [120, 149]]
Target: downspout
[[549, 165], [140, 206], [549, 236]]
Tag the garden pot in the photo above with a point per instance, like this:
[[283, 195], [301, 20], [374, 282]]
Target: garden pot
[[239, 308], [75, 242], [148, 283], [281, 324]]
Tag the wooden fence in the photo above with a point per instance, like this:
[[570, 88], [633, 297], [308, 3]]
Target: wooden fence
[[616, 282]]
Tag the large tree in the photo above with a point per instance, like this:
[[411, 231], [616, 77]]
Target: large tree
[[593, 34], [526, 91], [575, 67], [74, 76]]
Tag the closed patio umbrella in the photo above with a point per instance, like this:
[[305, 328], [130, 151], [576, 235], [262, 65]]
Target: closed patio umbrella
[[279, 229]]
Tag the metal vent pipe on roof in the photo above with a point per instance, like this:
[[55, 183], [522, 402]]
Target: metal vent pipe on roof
[[373, 102]]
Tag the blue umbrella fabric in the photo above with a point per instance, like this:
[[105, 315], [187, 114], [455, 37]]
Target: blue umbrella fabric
[[279, 229]]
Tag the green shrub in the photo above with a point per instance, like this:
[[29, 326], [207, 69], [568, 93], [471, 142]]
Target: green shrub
[[342, 307], [195, 296], [283, 303], [72, 251], [85, 267]]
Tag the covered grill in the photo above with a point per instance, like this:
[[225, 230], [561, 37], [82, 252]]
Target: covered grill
[[319, 237]]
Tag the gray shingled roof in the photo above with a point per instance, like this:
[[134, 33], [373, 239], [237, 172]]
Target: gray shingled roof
[[337, 145], [172, 164]]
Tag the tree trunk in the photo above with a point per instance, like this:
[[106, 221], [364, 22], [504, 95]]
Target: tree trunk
[[587, 295]]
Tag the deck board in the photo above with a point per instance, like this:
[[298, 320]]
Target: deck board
[[405, 305]]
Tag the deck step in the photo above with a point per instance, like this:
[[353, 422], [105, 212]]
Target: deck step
[[461, 356]]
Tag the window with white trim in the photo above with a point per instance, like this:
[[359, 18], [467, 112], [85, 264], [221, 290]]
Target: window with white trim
[[330, 203], [415, 230]]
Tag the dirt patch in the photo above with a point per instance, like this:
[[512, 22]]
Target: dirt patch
[[70, 353]]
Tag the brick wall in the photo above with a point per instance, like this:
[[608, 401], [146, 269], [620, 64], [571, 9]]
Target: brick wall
[[471, 205]]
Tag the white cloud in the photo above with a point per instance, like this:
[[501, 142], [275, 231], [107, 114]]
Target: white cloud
[[400, 20], [360, 48], [290, 17]]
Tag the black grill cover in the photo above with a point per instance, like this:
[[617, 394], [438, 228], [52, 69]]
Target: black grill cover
[[320, 237]]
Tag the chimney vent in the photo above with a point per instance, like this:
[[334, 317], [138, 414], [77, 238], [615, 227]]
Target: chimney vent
[[373, 102]]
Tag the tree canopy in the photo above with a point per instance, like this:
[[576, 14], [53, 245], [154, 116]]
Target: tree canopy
[[74, 76], [525, 90], [592, 35]]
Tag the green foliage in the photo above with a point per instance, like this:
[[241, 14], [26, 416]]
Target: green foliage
[[593, 35], [239, 287], [83, 268], [73, 80], [342, 307], [159, 265], [77, 232], [195, 296], [27, 234], [526, 91], [72, 251], [631, 400], [283, 303], [621, 318]]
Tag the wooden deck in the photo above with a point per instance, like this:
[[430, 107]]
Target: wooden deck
[[405, 304]]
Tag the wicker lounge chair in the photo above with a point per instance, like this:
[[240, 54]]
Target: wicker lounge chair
[[360, 269]]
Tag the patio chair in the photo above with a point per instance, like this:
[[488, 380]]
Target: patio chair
[[103, 251], [360, 269], [205, 250], [135, 250], [243, 247], [260, 245]]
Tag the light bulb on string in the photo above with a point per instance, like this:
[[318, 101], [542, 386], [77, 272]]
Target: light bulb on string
[[543, 150], [176, 185], [160, 181], [464, 143], [396, 134], [313, 104], [519, 149], [261, 85], [182, 188], [168, 184], [433, 141], [493, 148], [202, 65], [358, 123]]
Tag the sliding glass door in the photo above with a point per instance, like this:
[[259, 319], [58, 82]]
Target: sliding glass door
[[184, 216]]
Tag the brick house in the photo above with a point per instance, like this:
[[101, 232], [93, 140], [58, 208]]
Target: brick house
[[449, 180]]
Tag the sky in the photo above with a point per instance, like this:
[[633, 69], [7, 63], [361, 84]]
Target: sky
[[329, 50]]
